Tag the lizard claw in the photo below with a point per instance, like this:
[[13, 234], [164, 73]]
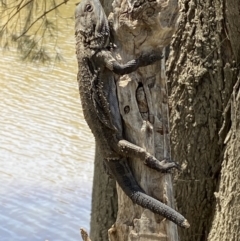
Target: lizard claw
[[162, 166], [168, 160]]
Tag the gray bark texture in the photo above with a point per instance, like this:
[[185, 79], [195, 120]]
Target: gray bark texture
[[144, 26], [226, 222], [203, 68], [203, 73], [104, 201], [140, 27]]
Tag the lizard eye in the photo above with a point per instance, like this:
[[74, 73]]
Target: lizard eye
[[88, 8]]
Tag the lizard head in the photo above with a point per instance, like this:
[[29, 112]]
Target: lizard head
[[92, 24]]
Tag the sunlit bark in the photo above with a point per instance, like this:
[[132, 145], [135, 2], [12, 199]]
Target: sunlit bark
[[202, 70]]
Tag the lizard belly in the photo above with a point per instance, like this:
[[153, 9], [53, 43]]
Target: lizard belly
[[103, 135]]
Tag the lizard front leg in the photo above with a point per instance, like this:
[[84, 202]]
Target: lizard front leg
[[128, 149], [106, 58]]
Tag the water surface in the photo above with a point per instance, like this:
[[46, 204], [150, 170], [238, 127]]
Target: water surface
[[46, 148]]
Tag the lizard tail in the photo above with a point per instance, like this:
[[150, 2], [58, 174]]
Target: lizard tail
[[123, 175]]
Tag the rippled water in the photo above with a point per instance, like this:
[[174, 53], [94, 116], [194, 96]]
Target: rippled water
[[46, 149]]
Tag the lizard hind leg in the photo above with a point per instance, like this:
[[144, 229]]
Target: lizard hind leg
[[128, 149], [124, 177]]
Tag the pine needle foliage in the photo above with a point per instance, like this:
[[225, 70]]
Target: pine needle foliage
[[27, 25]]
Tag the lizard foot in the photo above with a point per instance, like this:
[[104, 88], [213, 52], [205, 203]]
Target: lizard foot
[[162, 166]]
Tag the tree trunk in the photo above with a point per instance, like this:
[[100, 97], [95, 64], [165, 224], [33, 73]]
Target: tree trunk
[[104, 201], [203, 68], [204, 115], [226, 222], [144, 109], [104, 196]]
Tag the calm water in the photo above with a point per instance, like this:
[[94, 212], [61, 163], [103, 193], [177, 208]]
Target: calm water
[[46, 148]]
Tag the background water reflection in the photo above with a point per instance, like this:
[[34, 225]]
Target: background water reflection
[[46, 148]]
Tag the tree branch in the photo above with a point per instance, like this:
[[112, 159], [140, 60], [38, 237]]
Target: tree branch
[[41, 16]]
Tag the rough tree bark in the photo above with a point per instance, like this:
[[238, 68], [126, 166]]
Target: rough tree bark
[[104, 201], [226, 222], [203, 68], [140, 26]]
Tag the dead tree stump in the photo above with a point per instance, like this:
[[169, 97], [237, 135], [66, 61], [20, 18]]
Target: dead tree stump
[[143, 101]]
